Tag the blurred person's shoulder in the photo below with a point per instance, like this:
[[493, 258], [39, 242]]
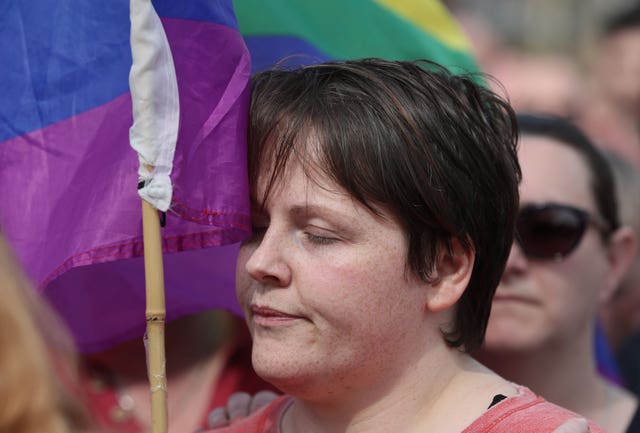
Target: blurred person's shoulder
[[265, 420]]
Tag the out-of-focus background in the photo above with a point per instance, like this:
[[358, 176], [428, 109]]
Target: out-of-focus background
[[556, 26], [579, 58]]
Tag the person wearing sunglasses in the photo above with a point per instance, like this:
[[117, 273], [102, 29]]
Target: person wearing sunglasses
[[569, 254]]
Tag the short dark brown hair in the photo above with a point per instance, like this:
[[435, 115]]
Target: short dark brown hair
[[436, 150]]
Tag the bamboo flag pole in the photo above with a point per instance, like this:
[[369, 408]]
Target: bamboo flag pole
[[153, 135], [155, 313]]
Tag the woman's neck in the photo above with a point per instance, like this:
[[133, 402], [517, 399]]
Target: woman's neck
[[412, 402]]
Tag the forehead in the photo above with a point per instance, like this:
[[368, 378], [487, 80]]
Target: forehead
[[302, 173], [276, 159], [297, 192], [553, 172]]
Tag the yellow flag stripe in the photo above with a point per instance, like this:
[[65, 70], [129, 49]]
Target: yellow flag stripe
[[432, 17]]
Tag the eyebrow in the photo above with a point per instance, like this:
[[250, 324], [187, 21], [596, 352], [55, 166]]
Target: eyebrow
[[311, 210], [297, 209], [331, 214]]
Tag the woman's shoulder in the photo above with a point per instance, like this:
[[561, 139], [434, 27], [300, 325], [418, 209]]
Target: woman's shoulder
[[525, 412], [265, 420]]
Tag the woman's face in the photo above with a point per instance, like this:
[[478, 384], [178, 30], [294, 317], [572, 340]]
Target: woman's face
[[324, 290], [542, 302]]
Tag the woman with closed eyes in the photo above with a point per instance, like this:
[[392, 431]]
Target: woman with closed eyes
[[569, 255], [384, 203]]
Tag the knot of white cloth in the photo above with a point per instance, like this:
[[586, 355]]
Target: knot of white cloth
[[157, 191]]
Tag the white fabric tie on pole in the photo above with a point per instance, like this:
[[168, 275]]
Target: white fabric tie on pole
[[156, 107]]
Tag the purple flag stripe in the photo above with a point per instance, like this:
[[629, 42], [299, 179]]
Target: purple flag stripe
[[71, 211], [111, 296], [135, 248]]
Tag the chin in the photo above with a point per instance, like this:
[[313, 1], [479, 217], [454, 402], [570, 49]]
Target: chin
[[510, 341], [503, 347], [281, 371], [299, 385], [295, 377]]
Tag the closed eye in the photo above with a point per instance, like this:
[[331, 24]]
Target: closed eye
[[320, 240]]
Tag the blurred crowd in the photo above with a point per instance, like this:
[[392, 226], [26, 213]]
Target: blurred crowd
[[593, 80]]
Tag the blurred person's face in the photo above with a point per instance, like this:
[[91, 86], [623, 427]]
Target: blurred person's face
[[542, 302], [326, 291], [618, 69], [542, 84]]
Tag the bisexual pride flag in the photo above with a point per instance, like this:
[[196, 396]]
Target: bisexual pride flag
[[68, 177], [309, 31]]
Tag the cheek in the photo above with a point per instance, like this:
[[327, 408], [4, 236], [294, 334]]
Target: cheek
[[366, 295], [571, 296]]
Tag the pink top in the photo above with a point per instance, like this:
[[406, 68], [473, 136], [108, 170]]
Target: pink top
[[525, 412]]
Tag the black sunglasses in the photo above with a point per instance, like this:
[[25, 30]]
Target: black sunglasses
[[552, 231]]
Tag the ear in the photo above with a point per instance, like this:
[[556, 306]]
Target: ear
[[621, 252], [451, 275]]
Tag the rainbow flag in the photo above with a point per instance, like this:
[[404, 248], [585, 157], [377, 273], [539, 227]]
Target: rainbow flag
[[306, 31], [68, 176]]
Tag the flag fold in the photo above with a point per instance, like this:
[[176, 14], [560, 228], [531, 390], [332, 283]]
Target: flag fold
[[68, 176]]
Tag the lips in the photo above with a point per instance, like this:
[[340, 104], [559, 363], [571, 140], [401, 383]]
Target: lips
[[513, 298], [268, 316]]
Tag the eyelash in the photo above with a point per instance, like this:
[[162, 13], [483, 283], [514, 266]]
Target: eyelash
[[258, 232], [319, 240]]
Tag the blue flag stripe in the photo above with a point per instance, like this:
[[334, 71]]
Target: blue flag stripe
[[63, 60], [295, 51]]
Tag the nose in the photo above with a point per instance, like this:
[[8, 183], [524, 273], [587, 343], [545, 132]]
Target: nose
[[267, 261], [516, 262]]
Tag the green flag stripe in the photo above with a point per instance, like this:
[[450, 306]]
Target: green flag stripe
[[348, 29]]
